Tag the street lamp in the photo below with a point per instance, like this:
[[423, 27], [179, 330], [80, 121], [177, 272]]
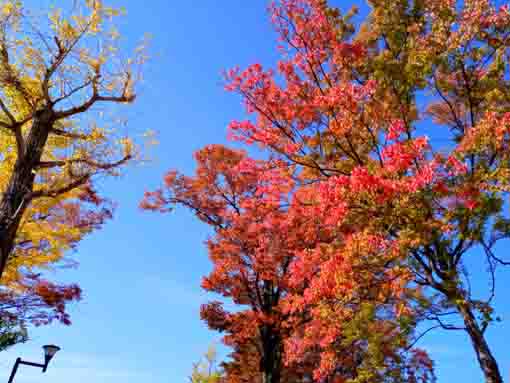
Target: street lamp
[[49, 351]]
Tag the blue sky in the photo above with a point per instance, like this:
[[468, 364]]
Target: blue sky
[[139, 320]]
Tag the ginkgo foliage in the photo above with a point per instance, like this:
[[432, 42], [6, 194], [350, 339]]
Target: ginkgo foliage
[[58, 71], [395, 135], [206, 371]]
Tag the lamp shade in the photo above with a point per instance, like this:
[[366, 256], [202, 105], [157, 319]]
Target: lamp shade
[[49, 351]]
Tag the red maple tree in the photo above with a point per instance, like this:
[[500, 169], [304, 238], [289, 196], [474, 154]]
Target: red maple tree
[[259, 237]]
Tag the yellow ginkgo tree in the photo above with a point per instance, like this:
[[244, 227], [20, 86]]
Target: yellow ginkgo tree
[[57, 73]]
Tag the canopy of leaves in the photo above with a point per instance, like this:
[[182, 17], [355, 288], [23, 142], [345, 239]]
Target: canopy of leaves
[[57, 72], [375, 216]]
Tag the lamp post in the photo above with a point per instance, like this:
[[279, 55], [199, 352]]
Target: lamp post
[[49, 351]]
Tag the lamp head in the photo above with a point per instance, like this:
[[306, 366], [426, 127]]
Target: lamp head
[[49, 352]]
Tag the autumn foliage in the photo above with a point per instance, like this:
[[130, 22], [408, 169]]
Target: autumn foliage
[[55, 70], [39, 303], [287, 332], [387, 163]]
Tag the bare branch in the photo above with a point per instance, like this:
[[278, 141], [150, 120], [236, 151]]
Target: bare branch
[[59, 191], [59, 132], [74, 90], [87, 161], [491, 254], [59, 59], [90, 102]]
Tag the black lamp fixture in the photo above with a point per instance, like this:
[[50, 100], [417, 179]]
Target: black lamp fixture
[[49, 352]]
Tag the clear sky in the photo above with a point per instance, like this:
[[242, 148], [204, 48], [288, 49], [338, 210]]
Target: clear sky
[[139, 320]]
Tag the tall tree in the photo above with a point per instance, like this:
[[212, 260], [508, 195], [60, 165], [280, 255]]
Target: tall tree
[[250, 262], [253, 251], [54, 72], [350, 108]]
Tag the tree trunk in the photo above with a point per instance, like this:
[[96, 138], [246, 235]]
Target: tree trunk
[[16, 197], [485, 358], [271, 358]]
